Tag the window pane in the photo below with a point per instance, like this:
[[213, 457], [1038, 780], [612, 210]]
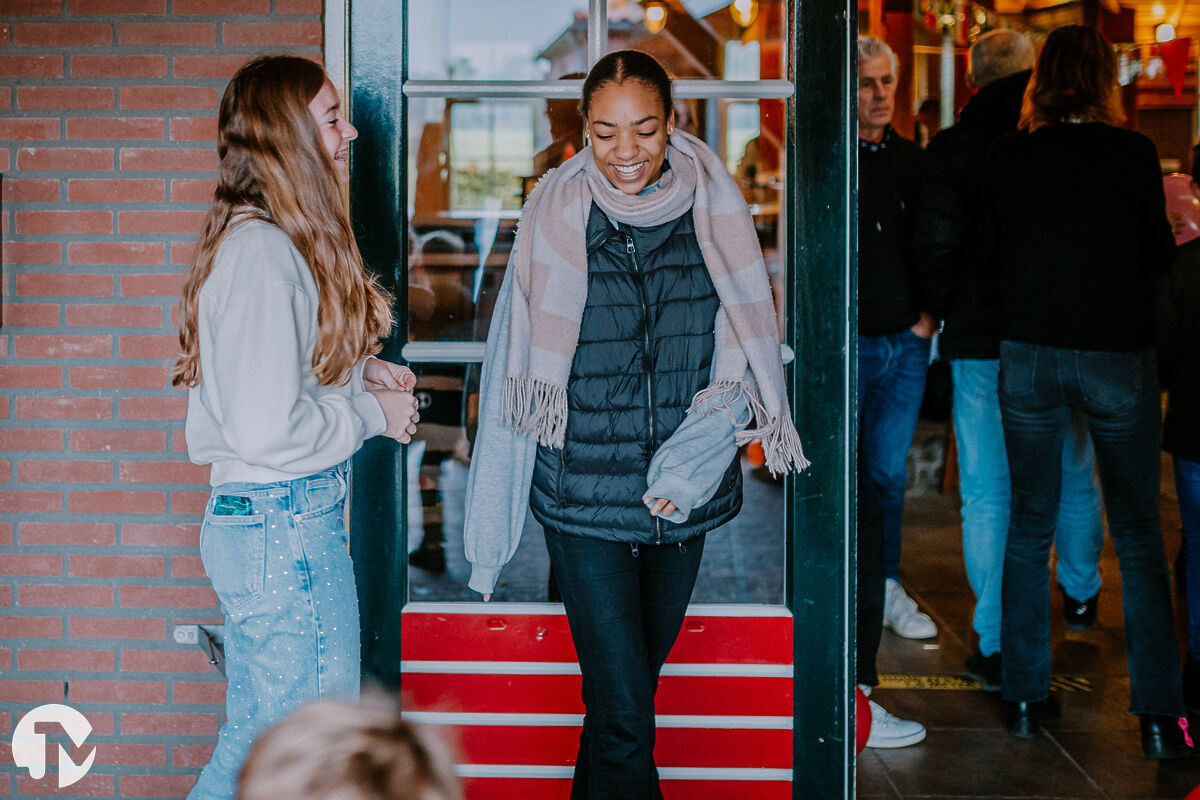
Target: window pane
[[479, 40]]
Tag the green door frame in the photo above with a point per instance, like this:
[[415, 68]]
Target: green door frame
[[819, 509]]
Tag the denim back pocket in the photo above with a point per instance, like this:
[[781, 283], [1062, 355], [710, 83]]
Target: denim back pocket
[[1113, 382], [233, 549], [1018, 369]]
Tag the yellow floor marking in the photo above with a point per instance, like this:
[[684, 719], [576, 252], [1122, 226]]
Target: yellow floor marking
[[959, 683]]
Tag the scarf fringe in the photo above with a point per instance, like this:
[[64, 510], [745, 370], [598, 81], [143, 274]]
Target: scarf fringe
[[533, 406], [781, 442]]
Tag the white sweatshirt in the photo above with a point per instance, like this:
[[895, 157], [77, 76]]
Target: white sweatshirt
[[258, 413]]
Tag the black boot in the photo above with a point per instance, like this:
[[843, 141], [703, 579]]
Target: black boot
[[1163, 738], [1024, 719]]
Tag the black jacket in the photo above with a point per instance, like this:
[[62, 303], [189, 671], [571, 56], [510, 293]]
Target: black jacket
[[1077, 233], [959, 289], [645, 349], [1177, 318], [889, 181]]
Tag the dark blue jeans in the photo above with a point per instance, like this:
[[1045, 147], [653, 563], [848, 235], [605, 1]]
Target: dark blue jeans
[[1187, 488], [625, 610], [891, 382], [1119, 394]]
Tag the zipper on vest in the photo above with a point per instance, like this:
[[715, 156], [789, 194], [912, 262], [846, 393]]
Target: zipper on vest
[[647, 367]]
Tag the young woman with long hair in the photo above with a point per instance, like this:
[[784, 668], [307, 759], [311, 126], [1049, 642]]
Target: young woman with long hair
[[1077, 229], [278, 321], [634, 347]]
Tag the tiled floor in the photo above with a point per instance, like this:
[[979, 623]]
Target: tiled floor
[[1093, 752]]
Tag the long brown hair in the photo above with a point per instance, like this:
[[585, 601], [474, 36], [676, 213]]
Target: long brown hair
[[1075, 78], [272, 161]]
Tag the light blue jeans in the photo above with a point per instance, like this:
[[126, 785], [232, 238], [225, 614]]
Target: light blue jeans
[[278, 562], [984, 487]]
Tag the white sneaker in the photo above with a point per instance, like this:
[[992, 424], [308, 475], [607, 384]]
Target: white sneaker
[[891, 731], [900, 613]]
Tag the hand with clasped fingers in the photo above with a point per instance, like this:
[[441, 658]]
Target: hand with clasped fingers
[[393, 385]]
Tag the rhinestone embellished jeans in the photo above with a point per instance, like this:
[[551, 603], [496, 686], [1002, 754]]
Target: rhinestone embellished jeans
[[278, 562]]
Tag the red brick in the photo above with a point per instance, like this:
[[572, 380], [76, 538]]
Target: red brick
[[90, 66], [31, 8], [30, 191], [30, 66], [86, 534], [116, 566], [118, 378], [169, 597], [172, 97], [31, 691], [6, 539], [31, 315], [5, 471], [129, 316], [64, 222], [187, 567], [65, 471], [166, 724], [63, 408], [149, 347], [116, 502], [31, 439], [29, 564], [117, 628], [115, 191], [298, 6], [61, 596], [24, 129], [191, 755], [30, 502], [188, 34], [59, 660], [164, 535], [55, 284], [162, 159], [63, 346], [5, 599], [5, 103], [163, 472], [30, 377], [198, 693], [156, 785], [118, 441], [188, 222], [88, 786], [150, 408], [65, 97], [181, 252], [119, 691], [117, 6], [208, 66], [169, 285], [116, 253], [191, 503], [59, 34], [31, 627], [185, 190], [169, 661], [32, 253], [271, 34], [142, 754], [73, 158], [223, 7], [194, 129], [109, 128]]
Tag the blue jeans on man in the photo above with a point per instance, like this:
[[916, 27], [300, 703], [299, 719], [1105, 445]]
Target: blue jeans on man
[[1118, 391], [1187, 489], [984, 488], [891, 383]]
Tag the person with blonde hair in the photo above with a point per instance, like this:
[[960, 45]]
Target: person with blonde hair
[[277, 323], [334, 750], [1078, 235]]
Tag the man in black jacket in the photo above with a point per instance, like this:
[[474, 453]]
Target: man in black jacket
[[966, 296]]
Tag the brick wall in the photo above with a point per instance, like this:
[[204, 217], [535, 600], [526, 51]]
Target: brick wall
[[107, 128]]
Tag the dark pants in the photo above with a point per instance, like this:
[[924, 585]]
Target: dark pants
[[1119, 394], [625, 612]]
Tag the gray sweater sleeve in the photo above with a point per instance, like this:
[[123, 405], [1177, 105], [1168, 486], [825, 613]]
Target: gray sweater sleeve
[[689, 465], [501, 466]]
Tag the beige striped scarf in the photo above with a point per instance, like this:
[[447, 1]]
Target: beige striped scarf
[[549, 265]]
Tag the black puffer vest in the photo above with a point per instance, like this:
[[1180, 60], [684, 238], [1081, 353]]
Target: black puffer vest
[[645, 349]]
